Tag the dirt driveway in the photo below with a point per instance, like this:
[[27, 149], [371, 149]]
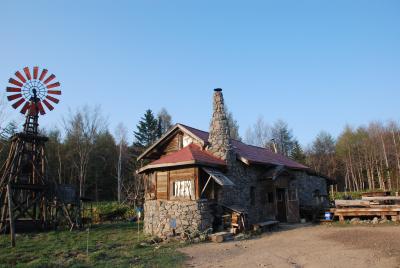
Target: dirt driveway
[[305, 246]]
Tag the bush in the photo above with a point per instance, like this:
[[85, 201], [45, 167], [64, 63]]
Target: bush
[[110, 211], [355, 195], [346, 195]]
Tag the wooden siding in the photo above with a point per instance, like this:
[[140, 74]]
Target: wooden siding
[[162, 185], [176, 143]]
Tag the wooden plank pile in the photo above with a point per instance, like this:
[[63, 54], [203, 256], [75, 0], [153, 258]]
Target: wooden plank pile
[[371, 205]]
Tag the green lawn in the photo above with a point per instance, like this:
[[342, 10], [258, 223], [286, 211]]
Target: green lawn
[[110, 245]]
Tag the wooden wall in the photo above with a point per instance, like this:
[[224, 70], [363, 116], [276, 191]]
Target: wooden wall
[[162, 185], [177, 142], [174, 145], [165, 179]]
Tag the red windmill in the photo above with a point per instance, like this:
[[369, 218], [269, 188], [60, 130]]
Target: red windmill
[[30, 91], [29, 196]]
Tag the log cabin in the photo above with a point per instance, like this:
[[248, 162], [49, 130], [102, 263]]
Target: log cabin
[[197, 181]]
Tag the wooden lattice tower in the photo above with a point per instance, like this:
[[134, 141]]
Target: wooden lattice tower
[[28, 197]]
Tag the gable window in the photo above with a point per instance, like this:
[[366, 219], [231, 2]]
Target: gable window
[[183, 189]]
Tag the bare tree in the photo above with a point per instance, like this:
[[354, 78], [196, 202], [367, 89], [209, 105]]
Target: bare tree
[[121, 138], [259, 134], [81, 127], [164, 121]]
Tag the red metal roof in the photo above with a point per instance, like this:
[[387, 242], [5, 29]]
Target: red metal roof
[[190, 153], [253, 154]]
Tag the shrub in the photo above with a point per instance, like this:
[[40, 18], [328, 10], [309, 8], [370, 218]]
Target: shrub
[[110, 211]]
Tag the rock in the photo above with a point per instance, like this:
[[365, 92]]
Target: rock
[[355, 221], [240, 237]]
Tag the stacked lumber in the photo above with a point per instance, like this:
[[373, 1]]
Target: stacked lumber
[[370, 205]]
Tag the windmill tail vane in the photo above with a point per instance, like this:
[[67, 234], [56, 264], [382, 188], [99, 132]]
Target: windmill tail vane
[[32, 93]]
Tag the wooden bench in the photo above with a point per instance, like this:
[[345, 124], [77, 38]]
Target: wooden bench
[[265, 226]]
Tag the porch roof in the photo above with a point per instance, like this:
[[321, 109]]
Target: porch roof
[[218, 177]]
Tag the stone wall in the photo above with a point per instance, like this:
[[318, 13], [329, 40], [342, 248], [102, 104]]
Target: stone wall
[[307, 185], [189, 216]]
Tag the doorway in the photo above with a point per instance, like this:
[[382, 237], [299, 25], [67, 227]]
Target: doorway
[[281, 204]]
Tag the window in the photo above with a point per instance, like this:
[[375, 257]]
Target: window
[[270, 197], [151, 186], [293, 195], [252, 196], [183, 189], [180, 142]]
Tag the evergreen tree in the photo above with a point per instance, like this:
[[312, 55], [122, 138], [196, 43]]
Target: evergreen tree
[[233, 127], [283, 137], [147, 130], [297, 153]]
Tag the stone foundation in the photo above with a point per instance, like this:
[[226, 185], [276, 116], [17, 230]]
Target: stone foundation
[[162, 217]]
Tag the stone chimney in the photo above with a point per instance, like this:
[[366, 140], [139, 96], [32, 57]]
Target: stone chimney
[[219, 139]]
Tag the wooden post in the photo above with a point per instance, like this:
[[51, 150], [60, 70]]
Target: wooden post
[[11, 216]]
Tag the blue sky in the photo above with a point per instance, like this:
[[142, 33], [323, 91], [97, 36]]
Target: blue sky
[[316, 64]]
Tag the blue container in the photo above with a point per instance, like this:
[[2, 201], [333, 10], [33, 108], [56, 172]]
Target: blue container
[[328, 216]]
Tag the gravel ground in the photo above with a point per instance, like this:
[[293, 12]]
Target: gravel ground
[[305, 246]]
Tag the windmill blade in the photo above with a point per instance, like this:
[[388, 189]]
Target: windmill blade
[[40, 107], [43, 74], [48, 105], [51, 77], [18, 103], [54, 92], [53, 85], [14, 97], [27, 73], [20, 76], [35, 72], [15, 82], [13, 89], [25, 107], [52, 99]]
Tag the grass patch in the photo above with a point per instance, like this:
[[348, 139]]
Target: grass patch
[[110, 245]]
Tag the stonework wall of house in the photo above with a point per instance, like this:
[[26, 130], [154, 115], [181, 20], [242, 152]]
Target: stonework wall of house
[[244, 177], [307, 187], [189, 216]]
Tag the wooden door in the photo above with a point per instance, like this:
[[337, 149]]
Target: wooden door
[[281, 204]]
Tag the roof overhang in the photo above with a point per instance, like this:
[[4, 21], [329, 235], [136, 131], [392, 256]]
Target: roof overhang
[[179, 164]]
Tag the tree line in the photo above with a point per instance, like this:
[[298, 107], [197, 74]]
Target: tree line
[[364, 158], [102, 164]]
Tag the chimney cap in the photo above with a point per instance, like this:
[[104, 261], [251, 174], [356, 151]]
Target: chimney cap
[[218, 89]]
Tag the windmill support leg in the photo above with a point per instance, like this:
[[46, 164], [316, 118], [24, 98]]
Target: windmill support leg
[[11, 216]]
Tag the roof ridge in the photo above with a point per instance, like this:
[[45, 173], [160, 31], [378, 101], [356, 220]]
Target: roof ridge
[[209, 132], [230, 138]]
